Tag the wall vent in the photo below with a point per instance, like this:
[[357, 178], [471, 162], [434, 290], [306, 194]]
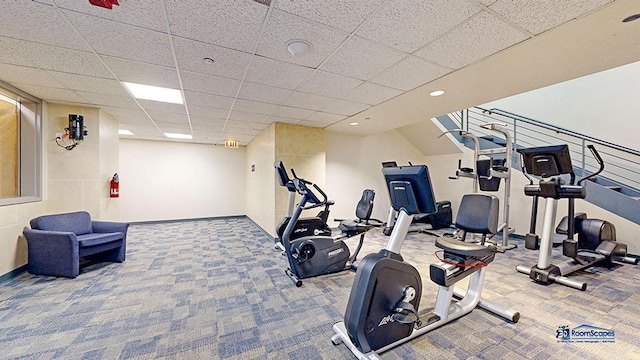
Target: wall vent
[[263, 2]]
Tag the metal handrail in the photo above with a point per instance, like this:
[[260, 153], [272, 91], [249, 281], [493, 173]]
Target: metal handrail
[[559, 130], [527, 132]]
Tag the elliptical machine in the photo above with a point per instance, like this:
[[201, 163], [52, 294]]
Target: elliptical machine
[[596, 242], [315, 255], [382, 311], [306, 226]]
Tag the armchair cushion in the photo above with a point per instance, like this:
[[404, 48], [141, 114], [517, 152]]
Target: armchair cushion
[[78, 223]]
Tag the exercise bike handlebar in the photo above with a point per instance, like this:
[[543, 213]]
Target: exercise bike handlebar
[[301, 186]]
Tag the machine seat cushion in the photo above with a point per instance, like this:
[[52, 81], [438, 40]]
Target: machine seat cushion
[[458, 247]]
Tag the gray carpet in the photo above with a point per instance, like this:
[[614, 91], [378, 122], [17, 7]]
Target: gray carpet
[[216, 289]]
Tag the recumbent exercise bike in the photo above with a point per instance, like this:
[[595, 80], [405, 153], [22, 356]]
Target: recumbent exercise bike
[[382, 311]]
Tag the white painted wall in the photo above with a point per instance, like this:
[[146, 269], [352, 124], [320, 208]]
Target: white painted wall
[[354, 164], [603, 105], [171, 180]]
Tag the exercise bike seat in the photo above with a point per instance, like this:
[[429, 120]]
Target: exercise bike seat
[[461, 248]]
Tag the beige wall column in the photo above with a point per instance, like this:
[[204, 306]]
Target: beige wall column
[[299, 147]]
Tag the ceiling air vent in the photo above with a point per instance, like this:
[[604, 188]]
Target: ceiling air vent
[[263, 2]]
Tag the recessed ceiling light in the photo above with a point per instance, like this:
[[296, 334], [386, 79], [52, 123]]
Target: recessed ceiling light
[[298, 47], [178, 136], [155, 93], [124, 132], [436, 93], [208, 60], [631, 18], [355, 123]]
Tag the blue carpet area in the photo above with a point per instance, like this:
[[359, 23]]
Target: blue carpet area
[[214, 289]]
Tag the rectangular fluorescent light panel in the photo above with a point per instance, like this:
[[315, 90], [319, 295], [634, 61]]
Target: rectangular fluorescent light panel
[[155, 93], [177, 136], [124, 132]]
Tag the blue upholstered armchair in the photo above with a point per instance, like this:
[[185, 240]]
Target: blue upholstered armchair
[[57, 242]]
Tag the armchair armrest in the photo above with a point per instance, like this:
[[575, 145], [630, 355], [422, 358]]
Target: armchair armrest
[[52, 252], [109, 227]]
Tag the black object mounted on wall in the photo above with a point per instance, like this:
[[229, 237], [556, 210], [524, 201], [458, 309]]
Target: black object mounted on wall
[[76, 129], [75, 132]]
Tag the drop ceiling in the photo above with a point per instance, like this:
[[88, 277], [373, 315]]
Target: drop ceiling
[[372, 61]]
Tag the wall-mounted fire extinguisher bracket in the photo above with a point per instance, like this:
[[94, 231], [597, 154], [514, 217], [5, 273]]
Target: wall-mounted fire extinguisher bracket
[[114, 186]]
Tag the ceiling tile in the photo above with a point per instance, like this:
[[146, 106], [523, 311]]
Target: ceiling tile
[[50, 94], [410, 73], [276, 73], [328, 84], [260, 127], [235, 133], [89, 83], [39, 23], [28, 75], [66, 60], [109, 100], [144, 130], [408, 25], [254, 106], [209, 84], [122, 40], [307, 101], [150, 105], [283, 27], [326, 118], [143, 73], [232, 24], [195, 110], [312, 124], [264, 93], [372, 94], [9, 53], [207, 124], [145, 13], [340, 14], [539, 16], [207, 100], [210, 137], [247, 116], [362, 59], [344, 107], [282, 119], [487, 2], [123, 113], [174, 127], [168, 117], [241, 124], [292, 112], [481, 36], [227, 62]]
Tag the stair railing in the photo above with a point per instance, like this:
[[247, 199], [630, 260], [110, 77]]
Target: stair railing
[[623, 163]]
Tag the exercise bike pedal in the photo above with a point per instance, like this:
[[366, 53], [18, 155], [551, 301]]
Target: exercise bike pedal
[[405, 313]]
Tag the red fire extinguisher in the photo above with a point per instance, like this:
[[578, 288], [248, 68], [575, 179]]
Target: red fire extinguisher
[[114, 186]]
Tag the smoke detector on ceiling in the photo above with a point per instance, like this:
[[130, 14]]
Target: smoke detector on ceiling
[[298, 48]]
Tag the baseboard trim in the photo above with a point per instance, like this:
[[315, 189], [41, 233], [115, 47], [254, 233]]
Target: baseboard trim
[[13, 273], [147, 222], [265, 232]]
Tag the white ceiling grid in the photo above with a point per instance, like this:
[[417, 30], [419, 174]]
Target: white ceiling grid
[[363, 53]]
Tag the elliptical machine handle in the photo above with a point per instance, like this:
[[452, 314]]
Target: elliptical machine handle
[[598, 158], [307, 182]]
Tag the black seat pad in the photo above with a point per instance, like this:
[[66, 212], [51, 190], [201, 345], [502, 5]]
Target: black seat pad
[[458, 247]]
